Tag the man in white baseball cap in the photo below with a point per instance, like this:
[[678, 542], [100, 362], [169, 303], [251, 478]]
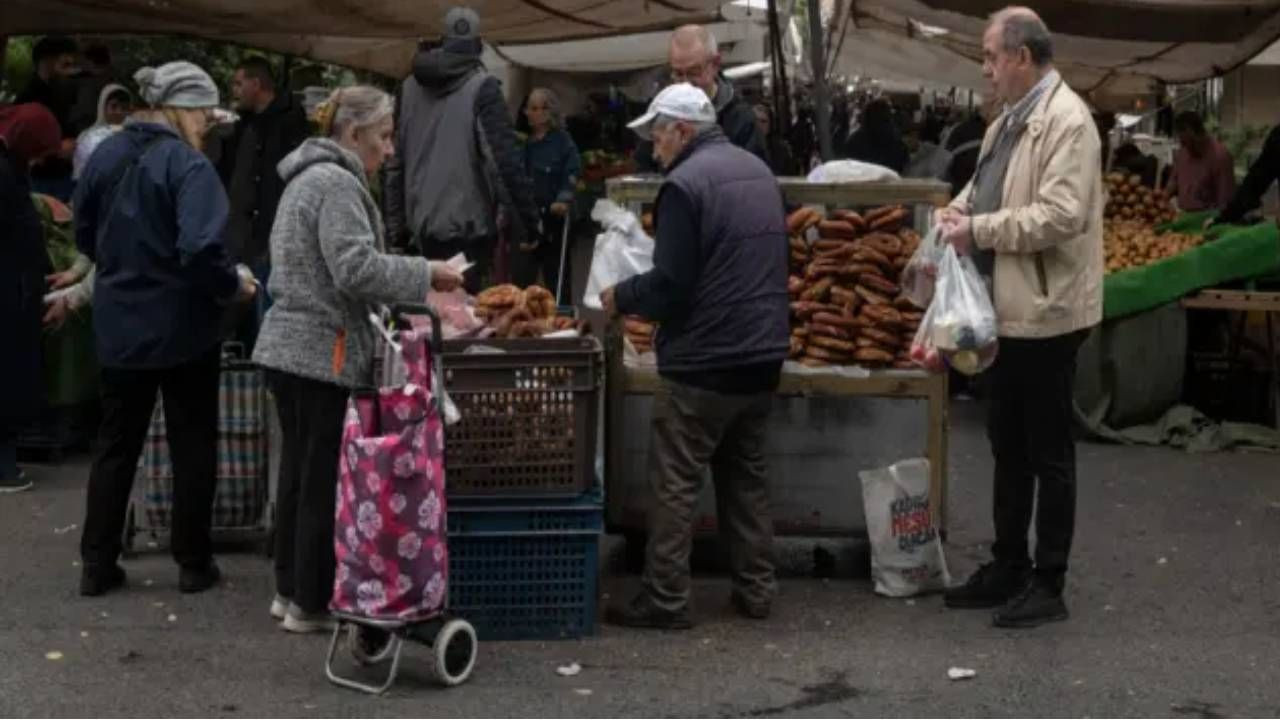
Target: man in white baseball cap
[[679, 103], [718, 289]]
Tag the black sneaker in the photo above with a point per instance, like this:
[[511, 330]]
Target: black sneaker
[[1038, 604], [641, 612], [993, 585], [198, 579], [749, 609], [95, 581], [15, 484]]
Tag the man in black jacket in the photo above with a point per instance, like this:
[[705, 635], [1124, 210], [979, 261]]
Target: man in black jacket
[[271, 126], [694, 57], [55, 61], [1264, 171], [718, 289], [457, 158]]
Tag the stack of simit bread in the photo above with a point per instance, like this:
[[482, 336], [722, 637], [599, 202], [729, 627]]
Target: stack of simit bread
[[846, 303]]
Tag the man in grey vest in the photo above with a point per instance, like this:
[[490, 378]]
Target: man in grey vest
[[457, 158], [718, 289]]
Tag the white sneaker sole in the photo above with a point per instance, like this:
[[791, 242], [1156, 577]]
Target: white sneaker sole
[[279, 608], [306, 627]]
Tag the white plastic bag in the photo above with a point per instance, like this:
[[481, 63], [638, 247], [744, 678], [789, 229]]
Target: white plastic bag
[[623, 250], [850, 171], [959, 328], [906, 550], [920, 275]]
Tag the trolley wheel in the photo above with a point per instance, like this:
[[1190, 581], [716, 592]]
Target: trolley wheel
[[130, 531], [454, 651], [369, 646]]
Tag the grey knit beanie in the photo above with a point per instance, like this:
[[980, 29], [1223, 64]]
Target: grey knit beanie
[[177, 84]]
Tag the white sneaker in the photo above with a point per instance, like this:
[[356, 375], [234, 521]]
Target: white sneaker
[[297, 620], [279, 606]]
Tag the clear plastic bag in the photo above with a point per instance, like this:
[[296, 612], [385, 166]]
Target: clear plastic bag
[[920, 275], [959, 328], [623, 250]]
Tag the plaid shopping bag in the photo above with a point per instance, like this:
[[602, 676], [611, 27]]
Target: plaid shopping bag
[[240, 497]]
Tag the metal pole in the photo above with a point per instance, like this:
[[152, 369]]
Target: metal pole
[[821, 96], [781, 89]]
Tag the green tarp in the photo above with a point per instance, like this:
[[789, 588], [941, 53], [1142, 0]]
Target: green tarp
[[1234, 253]]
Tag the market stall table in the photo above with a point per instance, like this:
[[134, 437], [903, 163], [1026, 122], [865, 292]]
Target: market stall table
[[1244, 301], [820, 395]]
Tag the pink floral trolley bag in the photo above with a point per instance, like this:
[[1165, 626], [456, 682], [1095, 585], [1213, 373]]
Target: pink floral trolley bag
[[392, 571]]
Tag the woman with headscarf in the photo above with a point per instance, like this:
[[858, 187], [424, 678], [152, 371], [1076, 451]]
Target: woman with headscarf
[[150, 211], [28, 134], [552, 162], [329, 269]]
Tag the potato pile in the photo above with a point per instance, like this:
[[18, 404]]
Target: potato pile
[[846, 306], [1133, 243], [1129, 199], [516, 313], [639, 333]]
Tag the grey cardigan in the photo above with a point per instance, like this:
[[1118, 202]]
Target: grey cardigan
[[329, 270]]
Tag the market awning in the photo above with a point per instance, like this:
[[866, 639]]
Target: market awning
[[1103, 47], [377, 35]]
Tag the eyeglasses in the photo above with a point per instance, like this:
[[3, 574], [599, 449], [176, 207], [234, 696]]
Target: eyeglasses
[[680, 75]]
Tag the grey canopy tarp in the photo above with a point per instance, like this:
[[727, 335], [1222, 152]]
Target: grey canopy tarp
[[1103, 47], [378, 35]]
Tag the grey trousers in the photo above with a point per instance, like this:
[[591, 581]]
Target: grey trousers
[[694, 428]]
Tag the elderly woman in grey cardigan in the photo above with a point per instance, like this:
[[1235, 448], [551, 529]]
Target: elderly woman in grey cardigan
[[316, 341]]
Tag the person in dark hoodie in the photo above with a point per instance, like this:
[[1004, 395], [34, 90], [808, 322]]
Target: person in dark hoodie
[[150, 212], [694, 57], [877, 140], [55, 62], [457, 157], [28, 134], [271, 126]]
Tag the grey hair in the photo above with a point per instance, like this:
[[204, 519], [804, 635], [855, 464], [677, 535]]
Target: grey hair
[[1022, 27], [685, 34], [357, 107], [662, 122], [553, 105]]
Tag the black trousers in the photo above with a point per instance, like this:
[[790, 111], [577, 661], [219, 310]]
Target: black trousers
[[545, 260], [1029, 423], [311, 415], [190, 393]]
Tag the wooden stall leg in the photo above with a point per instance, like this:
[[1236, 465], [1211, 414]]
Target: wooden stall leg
[[937, 449], [1275, 368]]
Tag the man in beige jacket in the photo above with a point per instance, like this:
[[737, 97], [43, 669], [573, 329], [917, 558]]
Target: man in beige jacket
[[1032, 217]]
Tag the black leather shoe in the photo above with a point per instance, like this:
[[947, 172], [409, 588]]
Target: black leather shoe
[[1038, 604], [95, 581], [199, 579], [993, 585], [641, 612], [749, 609]]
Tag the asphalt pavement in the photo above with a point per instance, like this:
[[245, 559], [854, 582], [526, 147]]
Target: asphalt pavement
[[1174, 594]]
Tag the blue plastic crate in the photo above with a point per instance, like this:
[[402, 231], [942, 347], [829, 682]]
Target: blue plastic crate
[[525, 573]]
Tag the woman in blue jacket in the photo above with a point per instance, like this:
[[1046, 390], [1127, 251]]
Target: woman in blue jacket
[[150, 212], [551, 160]]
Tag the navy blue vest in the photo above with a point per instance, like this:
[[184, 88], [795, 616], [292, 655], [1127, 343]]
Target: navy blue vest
[[739, 313]]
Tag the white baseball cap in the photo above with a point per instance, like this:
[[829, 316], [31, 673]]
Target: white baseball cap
[[681, 101]]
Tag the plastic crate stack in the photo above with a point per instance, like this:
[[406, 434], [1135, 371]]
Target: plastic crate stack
[[525, 508]]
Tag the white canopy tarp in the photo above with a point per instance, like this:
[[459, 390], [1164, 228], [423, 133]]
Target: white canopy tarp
[[1103, 47], [378, 35]]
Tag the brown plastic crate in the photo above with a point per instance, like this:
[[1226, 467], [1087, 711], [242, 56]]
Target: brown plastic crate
[[529, 416]]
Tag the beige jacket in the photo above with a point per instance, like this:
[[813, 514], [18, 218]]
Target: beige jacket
[[1048, 235]]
